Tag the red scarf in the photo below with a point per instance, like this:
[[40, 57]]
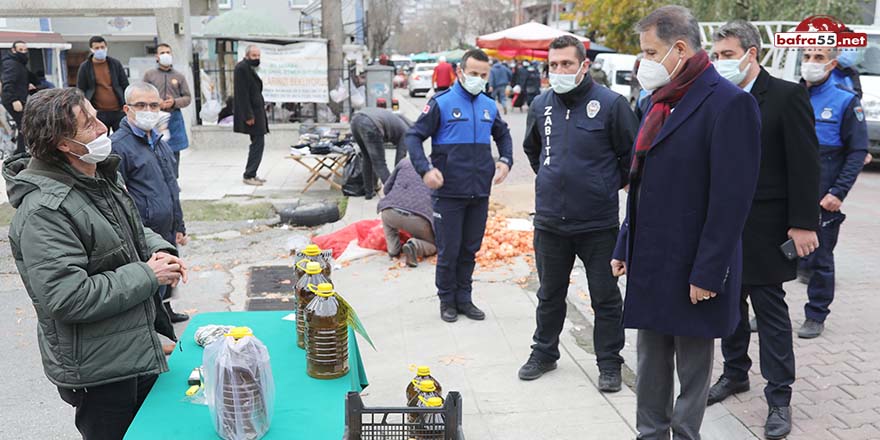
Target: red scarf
[[664, 99]]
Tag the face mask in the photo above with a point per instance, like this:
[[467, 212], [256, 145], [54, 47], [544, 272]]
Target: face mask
[[563, 83], [165, 59], [813, 72], [474, 84], [253, 63], [101, 54], [729, 69], [652, 75], [99, 149], [848, 58], [146, 120], [22, 57]]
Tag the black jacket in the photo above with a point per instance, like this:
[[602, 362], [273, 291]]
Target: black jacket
[[579, 145], [249, 100], [85, 78], [788, 181], [15, 79]]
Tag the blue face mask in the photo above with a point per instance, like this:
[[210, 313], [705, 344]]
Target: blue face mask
[[848, 58], [101, 54]]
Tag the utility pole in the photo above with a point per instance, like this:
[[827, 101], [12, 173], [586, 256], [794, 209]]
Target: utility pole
[[331, 30]]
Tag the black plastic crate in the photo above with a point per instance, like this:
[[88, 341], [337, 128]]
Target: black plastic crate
[[395, 423]]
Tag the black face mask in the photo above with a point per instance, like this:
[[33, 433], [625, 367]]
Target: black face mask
[[22, 57], [253, 63]]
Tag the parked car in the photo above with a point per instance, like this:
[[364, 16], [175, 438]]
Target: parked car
[[421, 79], [618, 67]]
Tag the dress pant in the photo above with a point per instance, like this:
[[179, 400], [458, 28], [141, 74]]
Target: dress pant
[[394, 220], [820, 263], [459, 225], [104, 412], [774, 337], [554, 257], [111, 119], [255, 155], [660, 357], [372, 145]]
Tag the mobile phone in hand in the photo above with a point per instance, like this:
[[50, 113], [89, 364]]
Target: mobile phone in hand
[[789, 250]]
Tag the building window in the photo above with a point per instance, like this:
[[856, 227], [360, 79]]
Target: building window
[[297, 4], [224, 4]]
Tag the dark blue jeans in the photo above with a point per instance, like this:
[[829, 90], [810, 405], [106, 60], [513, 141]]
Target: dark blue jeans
[[774, 336], [821, 264], [554, 257], [459, 225]]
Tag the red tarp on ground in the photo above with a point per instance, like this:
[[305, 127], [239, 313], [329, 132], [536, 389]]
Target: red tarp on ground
[[369, 235]]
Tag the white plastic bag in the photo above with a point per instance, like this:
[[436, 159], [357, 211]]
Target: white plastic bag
[[210, 111], [239, 388]]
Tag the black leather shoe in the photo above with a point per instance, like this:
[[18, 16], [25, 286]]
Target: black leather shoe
[[471, 311], [725, 388], [448, 312], [778, 423], [811, 329], [609, 380], [409, 255], [174, 316], [535, 368]]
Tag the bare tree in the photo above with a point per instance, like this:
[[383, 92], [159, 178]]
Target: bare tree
[[383, 19], [486, 17]]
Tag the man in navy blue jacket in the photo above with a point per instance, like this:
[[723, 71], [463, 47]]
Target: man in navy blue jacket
[[578, 140], [460, 122], [147, 167]]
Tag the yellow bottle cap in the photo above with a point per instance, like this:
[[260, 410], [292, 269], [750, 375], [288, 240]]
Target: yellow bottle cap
[[239, 332], [423, 371], [434, 402], [323, 289], [427, 386], [312, 250], [313, 268]]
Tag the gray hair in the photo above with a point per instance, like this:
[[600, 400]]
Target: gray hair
[[249, 48], [672, 23], [745, 32], [139, 86]]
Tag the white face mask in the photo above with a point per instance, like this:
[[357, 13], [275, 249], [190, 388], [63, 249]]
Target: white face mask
[[146, 120], [474, 84], [165, 59], [813, 72], [99, 149], [729, 69], [652, 75], [563, 83]]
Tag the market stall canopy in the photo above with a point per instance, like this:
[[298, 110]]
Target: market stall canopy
[[243, 23], [423, 57], [532, 35], [452, 56], [34, 40]]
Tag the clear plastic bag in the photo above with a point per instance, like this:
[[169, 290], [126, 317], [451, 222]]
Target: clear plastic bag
[[239, 388]]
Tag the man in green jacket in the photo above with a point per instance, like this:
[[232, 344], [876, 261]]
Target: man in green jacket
[[89, 266]]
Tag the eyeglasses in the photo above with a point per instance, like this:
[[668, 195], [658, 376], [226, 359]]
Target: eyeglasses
[[140, 106]]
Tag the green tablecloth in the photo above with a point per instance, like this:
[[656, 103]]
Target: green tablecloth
[[304, 407]]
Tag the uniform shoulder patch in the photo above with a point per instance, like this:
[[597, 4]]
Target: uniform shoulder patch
[[860, 113], [426, 109]]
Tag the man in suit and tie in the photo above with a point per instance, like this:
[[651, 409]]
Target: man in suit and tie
[[784, 208]]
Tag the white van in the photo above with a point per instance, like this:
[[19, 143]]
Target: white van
[[619, 68]]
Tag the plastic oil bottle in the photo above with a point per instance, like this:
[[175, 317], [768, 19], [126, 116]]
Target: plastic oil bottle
[[412, 389], [311, 253], [326, 334], [313, 275], [431, 425], [427, 390]]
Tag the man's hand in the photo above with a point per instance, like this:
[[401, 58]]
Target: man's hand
[[698, 294], [16, 105], [179, 262], [501, 171], [830, 203], [433, 178], [868, 158], [618, 268], [167, 270], [167, 104], [31, 87], [806, 242], [181, 239], [250, 122]]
